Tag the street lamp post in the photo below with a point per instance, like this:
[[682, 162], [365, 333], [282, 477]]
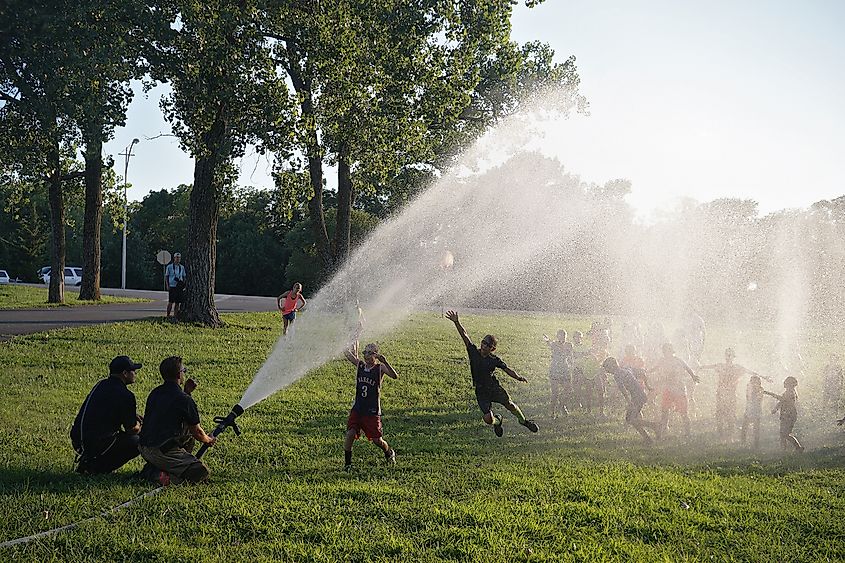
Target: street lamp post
[[126, 154]]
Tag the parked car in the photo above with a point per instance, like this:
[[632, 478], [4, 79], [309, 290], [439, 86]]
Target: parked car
[[4, 277], [73, 276], [40, 273]]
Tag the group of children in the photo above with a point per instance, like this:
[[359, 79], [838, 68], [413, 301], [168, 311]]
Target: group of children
[[578, 378], [580, 374]]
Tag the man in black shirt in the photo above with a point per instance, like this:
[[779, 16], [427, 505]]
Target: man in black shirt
[[171, 425], [488, 390], [96, 434]]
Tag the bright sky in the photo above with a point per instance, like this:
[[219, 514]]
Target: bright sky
[[706, 100]]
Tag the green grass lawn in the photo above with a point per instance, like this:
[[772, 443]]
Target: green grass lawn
[[27, 297], [580, 489]]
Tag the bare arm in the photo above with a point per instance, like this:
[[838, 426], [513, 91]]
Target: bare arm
[[304, 303], [386, 368], [135, 429], [690, 372], [200, 436], [514, 375], [453, 316], [351, 354]]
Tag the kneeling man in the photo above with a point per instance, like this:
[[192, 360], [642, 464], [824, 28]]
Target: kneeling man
[[96, 435], [171, 425]]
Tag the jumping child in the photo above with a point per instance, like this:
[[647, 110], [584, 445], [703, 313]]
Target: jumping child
[[560, 371], [365, 415], [488, 390], [289, 307], [788, 406]]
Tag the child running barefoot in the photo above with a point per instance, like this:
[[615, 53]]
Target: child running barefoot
[[634, 393], [753, 409], [488, 390], [366, 411], [788, 406], [560, 371], [288, 304]]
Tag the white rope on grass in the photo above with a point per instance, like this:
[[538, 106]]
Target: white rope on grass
[[104, 513]]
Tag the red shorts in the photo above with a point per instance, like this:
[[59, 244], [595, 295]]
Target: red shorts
[[370, 424], [678, 401]]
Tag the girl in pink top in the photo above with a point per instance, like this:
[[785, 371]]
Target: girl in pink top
[[287, 303]]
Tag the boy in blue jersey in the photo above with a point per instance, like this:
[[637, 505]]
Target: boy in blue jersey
[[365, 415], [488, 390]]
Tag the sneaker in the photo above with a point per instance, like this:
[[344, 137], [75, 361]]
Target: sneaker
[[390, 456], [164, 478], [531, 425], [497, 425]]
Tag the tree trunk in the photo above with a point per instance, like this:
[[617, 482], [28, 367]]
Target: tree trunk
[[345, 197], [203, 213], [56, 293], [303, 86], [91, 247]]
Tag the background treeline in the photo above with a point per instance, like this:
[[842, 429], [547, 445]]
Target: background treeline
[[722, 257], [381, 94]]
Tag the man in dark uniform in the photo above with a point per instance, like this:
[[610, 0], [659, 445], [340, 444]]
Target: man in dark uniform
[[488, 390], [171, 425], [96, 434], [365, 415]]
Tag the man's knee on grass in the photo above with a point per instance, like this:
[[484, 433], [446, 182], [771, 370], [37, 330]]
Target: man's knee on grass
[[197, 473]]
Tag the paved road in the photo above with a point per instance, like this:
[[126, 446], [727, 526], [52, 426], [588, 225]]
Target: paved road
[[26, 321]]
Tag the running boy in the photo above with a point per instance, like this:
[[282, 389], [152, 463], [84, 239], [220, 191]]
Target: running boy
[[288, 304], [788, 407], [488, 390], [365, 415], [634, 393], [670, 376], [560, 371]]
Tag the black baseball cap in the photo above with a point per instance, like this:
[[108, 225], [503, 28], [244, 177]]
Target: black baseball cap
[[123, 363]]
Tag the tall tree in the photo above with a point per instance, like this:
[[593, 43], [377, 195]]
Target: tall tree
[[112, 37], [226, 93], [36, 73]]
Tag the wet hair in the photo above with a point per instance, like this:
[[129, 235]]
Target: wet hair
[[560, 333], [169, 368], [490, 340], [371, 348], [790, 382], [755, 379]]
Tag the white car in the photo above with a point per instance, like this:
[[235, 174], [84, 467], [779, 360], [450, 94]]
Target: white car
[[73, 276], [4, 277]]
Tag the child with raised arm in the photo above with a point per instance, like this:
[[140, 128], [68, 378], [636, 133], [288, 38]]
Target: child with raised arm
[[788, 407], [365, 415], [728, 375], [560, 371], [488, 390]]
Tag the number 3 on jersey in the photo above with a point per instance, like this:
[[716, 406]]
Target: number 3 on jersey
[[363, 390]]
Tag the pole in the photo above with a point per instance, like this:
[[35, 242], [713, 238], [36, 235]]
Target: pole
[[127, 154]]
